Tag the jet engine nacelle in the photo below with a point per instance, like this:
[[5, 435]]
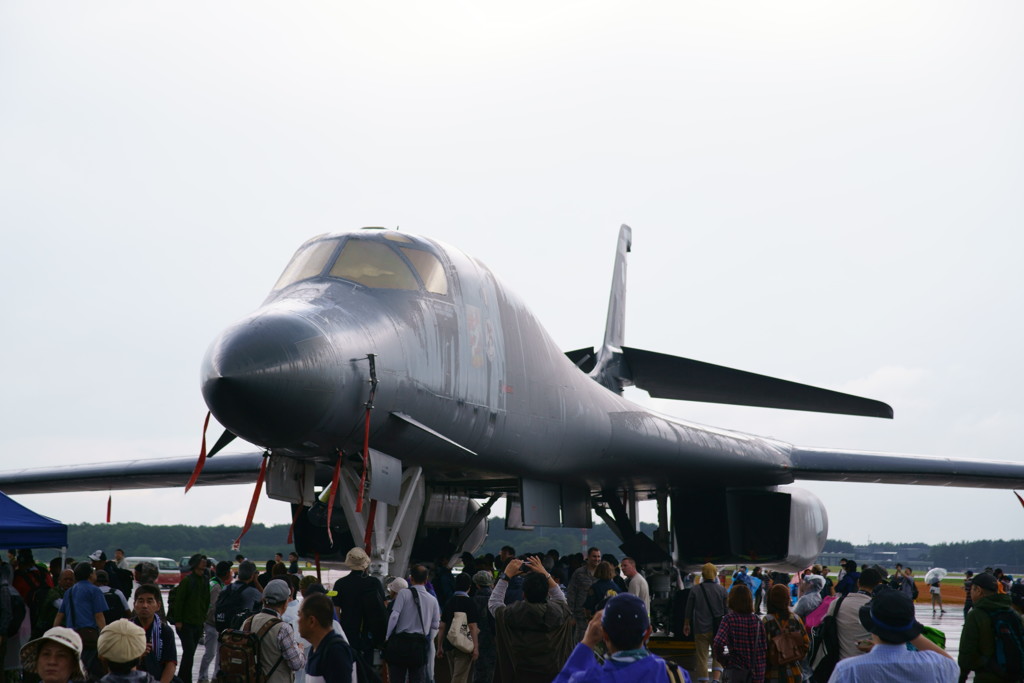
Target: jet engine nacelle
[[784, 527]]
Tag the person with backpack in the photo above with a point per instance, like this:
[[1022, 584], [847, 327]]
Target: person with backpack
[[277, 655], [161, 656], [788, 642], [239, 599], [890, 620], [117, 604], [992, 640]]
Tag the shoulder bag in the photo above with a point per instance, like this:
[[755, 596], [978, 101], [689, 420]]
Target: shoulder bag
[[407, 649], [458, 633]]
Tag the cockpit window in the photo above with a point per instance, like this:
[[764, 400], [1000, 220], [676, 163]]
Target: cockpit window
[[429, 268], [373, 264], [309, 261]]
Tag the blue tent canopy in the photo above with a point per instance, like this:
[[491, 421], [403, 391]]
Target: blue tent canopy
[[22, 528]]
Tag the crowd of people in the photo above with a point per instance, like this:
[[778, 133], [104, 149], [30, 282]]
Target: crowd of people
[[533, 618], [861, 626]]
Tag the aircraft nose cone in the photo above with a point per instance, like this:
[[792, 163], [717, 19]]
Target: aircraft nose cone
[[268, 379]]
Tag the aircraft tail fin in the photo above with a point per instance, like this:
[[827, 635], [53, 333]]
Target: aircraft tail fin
[[615, 325], [607, 370]]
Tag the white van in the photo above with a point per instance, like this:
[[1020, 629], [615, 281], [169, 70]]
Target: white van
[[170, 575]]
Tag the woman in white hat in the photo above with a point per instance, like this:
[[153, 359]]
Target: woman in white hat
[[56, 657]]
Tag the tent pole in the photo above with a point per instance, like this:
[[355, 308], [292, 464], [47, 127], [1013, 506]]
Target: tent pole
[[63, 556]]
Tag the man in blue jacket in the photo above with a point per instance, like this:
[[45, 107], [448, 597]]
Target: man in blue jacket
[[624, 627]]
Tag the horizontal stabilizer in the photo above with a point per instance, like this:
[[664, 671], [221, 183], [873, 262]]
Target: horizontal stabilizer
[[584, 358], [827, 464], [664, 376], [241, 468]]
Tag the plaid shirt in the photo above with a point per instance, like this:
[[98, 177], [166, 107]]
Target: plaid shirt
[[744, 636]]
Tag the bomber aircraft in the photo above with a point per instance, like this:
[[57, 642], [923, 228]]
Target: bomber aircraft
[[397, 391]]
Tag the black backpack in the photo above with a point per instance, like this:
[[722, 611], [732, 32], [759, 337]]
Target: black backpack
[[1008, 659], [230, 611], [18, 612], [115, 608], [824, 653]]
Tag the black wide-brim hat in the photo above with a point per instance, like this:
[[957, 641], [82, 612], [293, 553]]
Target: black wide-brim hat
[[890, 616]]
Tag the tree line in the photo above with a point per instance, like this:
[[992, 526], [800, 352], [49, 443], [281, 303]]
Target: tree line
[[262, 542]]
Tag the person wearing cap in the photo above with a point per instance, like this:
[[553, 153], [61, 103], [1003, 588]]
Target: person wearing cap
[[55, 656], [809, 591], [706, 604], [188, 612], [395, 586], [121, 647], [889, 618], [360, 603], [161, 656], [624, 627], [535, 635], [977, 640], [280, 657]]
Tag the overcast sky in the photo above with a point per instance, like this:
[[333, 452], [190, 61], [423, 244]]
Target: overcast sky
[[824, 192]]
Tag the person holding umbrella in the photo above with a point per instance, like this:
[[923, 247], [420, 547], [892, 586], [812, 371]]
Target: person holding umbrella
[[934, 580]]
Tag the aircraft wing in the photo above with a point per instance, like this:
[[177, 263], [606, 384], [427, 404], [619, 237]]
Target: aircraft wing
[[241, 468], [825, 464]]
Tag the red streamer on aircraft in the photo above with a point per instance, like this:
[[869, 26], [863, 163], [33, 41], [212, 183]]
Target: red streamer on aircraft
[[110, 500], [1019, 498], [330, 500], [291, 529], [366, 460], [202, 456], [252, 505], [369, 526]]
